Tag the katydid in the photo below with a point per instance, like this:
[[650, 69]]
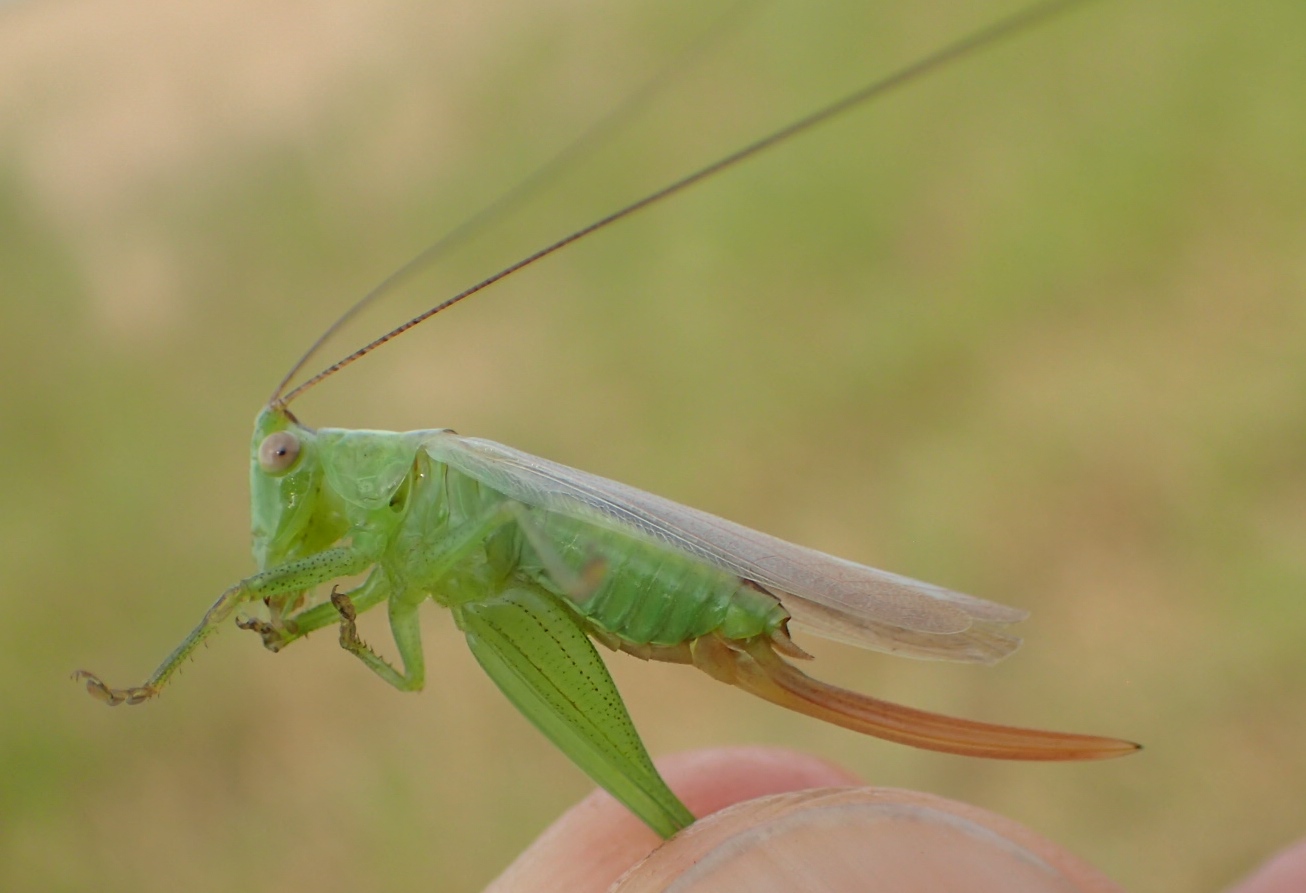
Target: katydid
[[535, 560]]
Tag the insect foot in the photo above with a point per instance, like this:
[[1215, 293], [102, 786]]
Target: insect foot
[[343, 604], [274, 635], [114, 696], [349, 639]]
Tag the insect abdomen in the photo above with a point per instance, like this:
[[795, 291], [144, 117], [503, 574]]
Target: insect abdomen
[[649, 594]]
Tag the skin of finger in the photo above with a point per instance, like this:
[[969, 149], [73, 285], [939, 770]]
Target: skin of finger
[[840, 839], [591, 845], [1283, 873]]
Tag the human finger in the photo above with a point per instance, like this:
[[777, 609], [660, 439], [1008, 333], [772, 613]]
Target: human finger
[[596, 841], [855, 839]]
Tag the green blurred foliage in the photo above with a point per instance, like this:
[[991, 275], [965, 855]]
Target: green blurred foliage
[[1034, 329]]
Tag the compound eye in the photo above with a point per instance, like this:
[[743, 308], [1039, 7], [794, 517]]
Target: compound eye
[[278, 452]]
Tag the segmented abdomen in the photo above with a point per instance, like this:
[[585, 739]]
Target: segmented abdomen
[[647, 593]]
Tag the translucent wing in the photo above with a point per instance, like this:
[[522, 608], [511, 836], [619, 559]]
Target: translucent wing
[[834, 598]]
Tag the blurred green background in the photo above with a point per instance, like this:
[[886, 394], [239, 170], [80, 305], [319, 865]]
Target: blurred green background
[[1034, 329]]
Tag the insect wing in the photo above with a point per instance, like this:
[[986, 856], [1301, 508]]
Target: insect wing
[[832, 597]]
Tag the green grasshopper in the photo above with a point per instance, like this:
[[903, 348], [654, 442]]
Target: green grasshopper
[[536, 559]]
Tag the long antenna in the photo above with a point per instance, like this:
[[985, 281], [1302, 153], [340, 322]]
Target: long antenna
[[516, 195], [1003, 28]]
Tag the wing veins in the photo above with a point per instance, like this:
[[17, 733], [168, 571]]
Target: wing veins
[[834, 597]]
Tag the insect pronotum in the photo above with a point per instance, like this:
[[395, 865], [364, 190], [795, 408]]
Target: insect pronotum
[[535, 560]]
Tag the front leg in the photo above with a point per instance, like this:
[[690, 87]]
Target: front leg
[[435, 563], [280, 632], [290, 577], [405, 627], [343, 608]]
